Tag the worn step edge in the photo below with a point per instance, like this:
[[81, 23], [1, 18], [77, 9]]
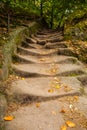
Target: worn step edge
[[24, 73], [66, 51], [26, 98], [3, 109], [55, 45], [21, 59], [83, 79], [25, 44], [59, 51], [30, 40], [46, 36], [22, 50]]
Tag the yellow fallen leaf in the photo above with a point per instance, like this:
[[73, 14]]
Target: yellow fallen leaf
[[8, 118], [22, 78], [37, 104], [63, 111], [17, 77], [64, 127], [54, 113], [76, 97], [70, 124], [67, 88], [50, 90], [57, 86], [42, 59], [16, 63], [54, 70]]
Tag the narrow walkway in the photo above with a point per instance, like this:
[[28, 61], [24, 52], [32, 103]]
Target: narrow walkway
[[51, 85]]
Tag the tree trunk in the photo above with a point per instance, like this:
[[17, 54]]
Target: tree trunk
[[41, 8], [8, 23], [52, 17]]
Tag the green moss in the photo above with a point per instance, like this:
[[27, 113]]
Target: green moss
[[10, 46], [82, 90], [73, 74]]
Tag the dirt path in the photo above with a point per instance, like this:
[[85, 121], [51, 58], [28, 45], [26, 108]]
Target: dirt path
[[51, 85]]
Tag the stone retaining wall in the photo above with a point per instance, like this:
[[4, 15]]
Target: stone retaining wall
[[10, 47], [14, 39]]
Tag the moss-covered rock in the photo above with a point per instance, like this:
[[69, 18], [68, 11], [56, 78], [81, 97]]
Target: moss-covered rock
[[3, 108], [10, 47]]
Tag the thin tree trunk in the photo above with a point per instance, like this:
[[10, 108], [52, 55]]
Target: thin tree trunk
[[34, 2], [8, 23], [41, 7], [52, 17]]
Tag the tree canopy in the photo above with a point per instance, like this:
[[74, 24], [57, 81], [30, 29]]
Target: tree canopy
[[55, 12]]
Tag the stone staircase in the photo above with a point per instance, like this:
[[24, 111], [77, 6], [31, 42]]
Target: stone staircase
[[48, 72]]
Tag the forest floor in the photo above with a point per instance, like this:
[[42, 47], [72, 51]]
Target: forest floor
[[49, 87]]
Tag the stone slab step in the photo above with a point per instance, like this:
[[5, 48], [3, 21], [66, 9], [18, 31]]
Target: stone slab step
[[55, 35], [33, 118], [27, 45], [47, 115], [43, 42], [30, 45], [44, 52], [48, 59], [37, 70], [55, 45], [43, 89], [36, 52], [30, 40]]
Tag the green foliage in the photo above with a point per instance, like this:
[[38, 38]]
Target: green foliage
[[56, 12]]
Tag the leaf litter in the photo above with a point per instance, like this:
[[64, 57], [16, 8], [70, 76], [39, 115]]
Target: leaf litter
[[72, 114], [56, 84], [8, 118]]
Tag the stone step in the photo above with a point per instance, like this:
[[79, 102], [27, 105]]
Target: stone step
[[27, 45], [36, 52], [48, 59], [45, 70], [43, 89], [66, 51], [56, 39], [55, 45], [47, 36], [47, 115], [30, 40], [50, 32], [44, 41], [45, 52], [32, 118], [83, 80], [30, 45]]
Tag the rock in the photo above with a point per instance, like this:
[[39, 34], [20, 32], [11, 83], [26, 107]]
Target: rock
[[3, 108]]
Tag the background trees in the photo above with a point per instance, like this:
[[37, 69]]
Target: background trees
[[55, 12]]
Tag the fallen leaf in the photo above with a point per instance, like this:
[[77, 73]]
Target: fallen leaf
[[57, 86], [63, 111], [8, 118], [70, 124], [55, 78], [70, 106], [22, 78], [64, 127], [42, 59], [76, 97], [37, 104], [50, 90], [17, 77], [67, 88], [54, 113], [54, 70]]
